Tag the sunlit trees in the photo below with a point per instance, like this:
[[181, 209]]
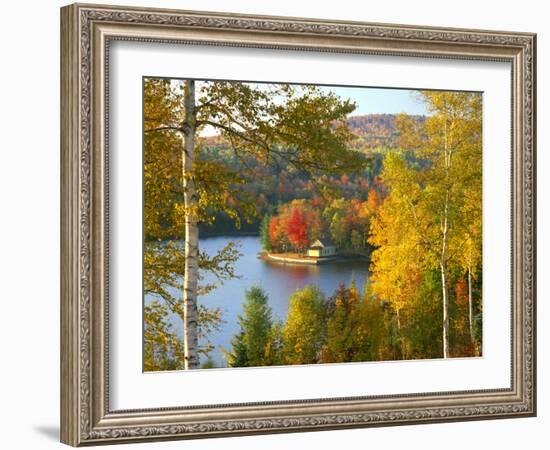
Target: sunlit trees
[[346, 327], [304, 332], [296, 229], [397, 261], [341, 324], [420, 225], [297, 224], [370, 333]]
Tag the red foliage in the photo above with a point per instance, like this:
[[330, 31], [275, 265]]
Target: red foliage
[[297, 229], [274, 233]]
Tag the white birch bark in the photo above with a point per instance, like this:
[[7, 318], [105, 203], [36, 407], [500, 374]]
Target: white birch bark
[[445, 289], [443, 258], [190, 283]]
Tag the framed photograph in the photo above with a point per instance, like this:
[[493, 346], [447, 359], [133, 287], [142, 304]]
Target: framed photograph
[[276, 224]]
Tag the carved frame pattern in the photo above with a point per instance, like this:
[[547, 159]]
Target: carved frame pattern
[[85, 416]]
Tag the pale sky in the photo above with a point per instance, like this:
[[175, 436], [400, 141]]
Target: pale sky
[[381, 100]]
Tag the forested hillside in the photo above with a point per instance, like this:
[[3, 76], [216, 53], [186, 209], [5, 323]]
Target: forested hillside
[[376, 130], [279, 183]]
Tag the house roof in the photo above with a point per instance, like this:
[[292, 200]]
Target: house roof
[[323, 242]]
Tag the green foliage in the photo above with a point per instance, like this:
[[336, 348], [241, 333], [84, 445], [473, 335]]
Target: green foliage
[[253, 343], [238, 356], [304, 332], [208, 364], [341, 325], [264, 233], [421, 321], [162, 348], [356, 327], [274, 348], [346, 327], [368, 336]]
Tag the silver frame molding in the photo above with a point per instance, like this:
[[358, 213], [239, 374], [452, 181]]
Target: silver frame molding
[[86, 32]]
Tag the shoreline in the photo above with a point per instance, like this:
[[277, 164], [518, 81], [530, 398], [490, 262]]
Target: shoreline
[[280, 258], [206, 236]]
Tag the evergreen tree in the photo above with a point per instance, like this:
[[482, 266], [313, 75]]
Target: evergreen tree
[[251, 344], [238, 356]]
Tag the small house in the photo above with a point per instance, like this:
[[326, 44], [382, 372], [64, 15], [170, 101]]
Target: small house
[[322, 248]]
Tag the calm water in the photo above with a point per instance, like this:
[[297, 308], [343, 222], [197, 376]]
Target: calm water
[[279, 282]]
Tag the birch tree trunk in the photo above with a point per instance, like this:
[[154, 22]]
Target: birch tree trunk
[[445, 310], [443, 259], [398, 319], [190, 281], [445, 289], [470, 307]]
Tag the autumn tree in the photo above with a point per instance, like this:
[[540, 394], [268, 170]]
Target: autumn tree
[[348, 223], [274, 349], [297, 229], [397, 261], [370, 330], [299, 125], [304, 332], [421, 329], [341, 324], [295, 226]]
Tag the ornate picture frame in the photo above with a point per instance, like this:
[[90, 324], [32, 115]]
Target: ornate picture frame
[[87, 31]]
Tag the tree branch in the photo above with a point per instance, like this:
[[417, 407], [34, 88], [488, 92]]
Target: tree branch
[[166, 128]]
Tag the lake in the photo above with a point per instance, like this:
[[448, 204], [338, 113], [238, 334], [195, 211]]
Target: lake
[[279, 281]]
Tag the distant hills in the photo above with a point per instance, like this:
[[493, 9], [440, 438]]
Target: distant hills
[[372, 131], [376, 130]]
